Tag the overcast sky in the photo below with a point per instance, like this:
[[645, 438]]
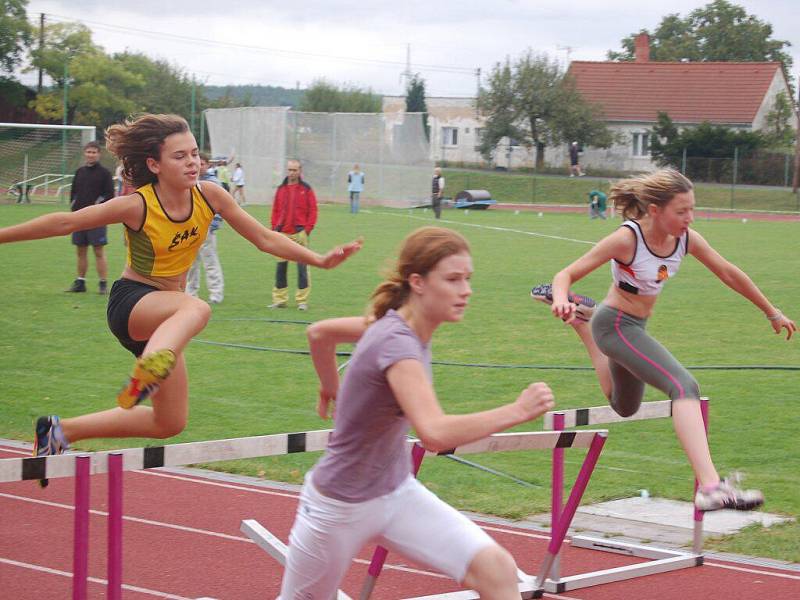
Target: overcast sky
[[364, 43]]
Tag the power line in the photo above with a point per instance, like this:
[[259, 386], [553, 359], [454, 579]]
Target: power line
[[279, 51]]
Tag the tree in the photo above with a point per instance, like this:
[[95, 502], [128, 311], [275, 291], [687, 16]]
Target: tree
[[101, 88], [704, 141], [168, 89], [533, 102], [15, 33], [779, 132], [718, 31], [415, 100], [324, 96]]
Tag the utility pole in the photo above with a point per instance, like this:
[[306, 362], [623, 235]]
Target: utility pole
[[405, 76], [41, 49], [796, 176], [568, 50], [478, 92]]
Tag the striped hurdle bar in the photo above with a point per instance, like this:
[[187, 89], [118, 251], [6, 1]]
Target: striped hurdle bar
[[661, 560], [529, 587], [82, 465]]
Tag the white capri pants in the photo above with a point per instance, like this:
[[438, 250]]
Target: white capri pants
[[327, 534]]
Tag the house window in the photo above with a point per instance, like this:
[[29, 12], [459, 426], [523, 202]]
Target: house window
[[513, 142], [479, 131], [640, 144], [449, 136]]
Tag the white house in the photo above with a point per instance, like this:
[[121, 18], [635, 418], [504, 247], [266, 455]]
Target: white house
[[630, 95]]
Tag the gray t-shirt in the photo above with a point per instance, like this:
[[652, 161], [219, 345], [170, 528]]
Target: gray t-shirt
[[367, 454]]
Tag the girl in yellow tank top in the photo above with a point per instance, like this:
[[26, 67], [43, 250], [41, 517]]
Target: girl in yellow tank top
[[166, 221], [163, 247]]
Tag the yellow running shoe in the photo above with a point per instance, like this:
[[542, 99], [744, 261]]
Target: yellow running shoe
[[148, 373]]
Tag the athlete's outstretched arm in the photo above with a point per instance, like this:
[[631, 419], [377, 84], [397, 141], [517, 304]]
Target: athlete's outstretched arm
[[270, 241], [614, 245], [323, 337], [739, 281], [439, 431], [124, 209]]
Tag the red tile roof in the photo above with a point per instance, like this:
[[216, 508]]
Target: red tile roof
[[720, 92]]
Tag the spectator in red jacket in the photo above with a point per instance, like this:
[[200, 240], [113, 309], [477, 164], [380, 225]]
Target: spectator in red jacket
[[294, 213]]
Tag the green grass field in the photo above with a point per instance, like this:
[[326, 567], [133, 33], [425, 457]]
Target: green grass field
[[548, 189], [57, 356]]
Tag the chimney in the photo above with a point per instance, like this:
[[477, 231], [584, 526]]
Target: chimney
[[642, 48]]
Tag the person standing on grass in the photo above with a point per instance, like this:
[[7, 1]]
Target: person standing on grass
[[574, 160], [166, 221], [92, 184], [437, 191], [644, 253], [215, 280], [362, 489], [355, 185], [294, 214], [237, 179]]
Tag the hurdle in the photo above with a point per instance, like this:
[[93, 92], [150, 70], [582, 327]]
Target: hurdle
[[529, 587], [84, 464], [661, 560]]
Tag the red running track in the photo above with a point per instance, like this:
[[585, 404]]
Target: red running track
[[182, 541]]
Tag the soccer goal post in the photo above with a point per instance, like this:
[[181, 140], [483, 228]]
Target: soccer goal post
[[37, 161]]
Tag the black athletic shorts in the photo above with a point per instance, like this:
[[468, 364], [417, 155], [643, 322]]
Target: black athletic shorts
[[125, 293], [91, 237]]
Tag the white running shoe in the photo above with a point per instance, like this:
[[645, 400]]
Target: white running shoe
[[728, 494]]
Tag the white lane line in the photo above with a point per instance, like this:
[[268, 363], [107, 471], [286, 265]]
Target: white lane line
[[206, 532], [754, 571], [130, 588], [229, 486], [494, 228]]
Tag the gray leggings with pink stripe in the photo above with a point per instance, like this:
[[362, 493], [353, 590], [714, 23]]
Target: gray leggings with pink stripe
[[636, 359]]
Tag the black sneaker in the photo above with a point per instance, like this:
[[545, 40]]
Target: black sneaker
[[584, 306], [49, 439], [79, 285], [102, 287]]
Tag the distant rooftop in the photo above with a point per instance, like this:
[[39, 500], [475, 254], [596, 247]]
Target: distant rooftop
[[690, 92]]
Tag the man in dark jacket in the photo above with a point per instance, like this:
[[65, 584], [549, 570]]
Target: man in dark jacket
[[294, 213], [92, 184]]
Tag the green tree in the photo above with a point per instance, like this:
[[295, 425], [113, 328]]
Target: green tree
[[533, 102], [324, 96], [496, 103], [168, 89], [705, 141], [718, 31], [779, 132], [415, 100], [15, 33]]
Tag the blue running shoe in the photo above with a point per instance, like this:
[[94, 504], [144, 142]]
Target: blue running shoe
[[49, 439], [584, 306]]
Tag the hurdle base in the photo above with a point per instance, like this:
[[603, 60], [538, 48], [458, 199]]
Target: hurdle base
[[660, 561], [273, 546]]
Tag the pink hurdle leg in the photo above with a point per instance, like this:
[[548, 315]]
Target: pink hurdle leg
[[80, 558], [562, 526], [558, 488], [697, 540], [380, 554], [114, 526]]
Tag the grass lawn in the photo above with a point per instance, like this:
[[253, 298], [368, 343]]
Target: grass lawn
[[57, 356], [549, 189]]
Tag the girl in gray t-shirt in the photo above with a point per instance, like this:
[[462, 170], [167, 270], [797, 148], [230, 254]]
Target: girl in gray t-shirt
[[362, 489]]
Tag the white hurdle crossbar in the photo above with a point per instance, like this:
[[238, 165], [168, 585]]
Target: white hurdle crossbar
[[529, 586], [661, 560], [172, 455]]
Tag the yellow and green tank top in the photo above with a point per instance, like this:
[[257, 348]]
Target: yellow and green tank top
[[162, 247]]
